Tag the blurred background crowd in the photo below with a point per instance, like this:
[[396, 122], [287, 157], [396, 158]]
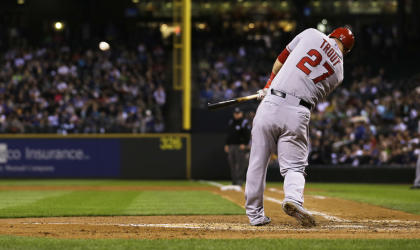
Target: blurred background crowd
[[57, 80], [56, 89]]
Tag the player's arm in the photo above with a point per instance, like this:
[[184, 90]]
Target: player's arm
[[276, 68]]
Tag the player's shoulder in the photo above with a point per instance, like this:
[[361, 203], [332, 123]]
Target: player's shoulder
[[312, 32]]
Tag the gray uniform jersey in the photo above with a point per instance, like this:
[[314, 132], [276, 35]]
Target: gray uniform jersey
[[313, 69]]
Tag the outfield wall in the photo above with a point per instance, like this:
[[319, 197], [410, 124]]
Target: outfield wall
[[152, 156], [209, 162], [144, 156]]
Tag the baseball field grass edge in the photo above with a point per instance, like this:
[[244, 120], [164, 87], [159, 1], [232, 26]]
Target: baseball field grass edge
[[32, 243], [49, 203]]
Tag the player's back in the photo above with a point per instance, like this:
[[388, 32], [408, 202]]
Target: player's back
[[313, 68]]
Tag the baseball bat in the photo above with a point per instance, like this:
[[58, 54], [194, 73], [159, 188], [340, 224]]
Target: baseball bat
[[217, 105]]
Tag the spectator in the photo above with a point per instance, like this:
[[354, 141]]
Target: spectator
[[59, 90]]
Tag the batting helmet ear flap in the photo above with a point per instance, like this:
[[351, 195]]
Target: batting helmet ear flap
[[345, 36]]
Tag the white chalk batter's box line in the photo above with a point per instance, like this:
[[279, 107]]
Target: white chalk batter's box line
[[231, 227], [319, 197], [215, 226], [219, 185]]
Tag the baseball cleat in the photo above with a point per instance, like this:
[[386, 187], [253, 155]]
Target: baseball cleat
[[266, 220], [299, 213]]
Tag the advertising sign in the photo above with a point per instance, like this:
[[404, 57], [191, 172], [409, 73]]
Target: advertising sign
[[59, 158]]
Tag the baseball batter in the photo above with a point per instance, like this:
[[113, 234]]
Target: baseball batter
[[305, 72]]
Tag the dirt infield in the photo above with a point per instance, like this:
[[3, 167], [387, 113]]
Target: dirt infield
[[336, 219]]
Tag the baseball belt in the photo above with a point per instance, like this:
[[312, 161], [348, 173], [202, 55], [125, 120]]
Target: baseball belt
[[283, 95]]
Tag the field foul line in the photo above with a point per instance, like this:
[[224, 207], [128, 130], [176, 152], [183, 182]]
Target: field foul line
[[392, 221], [213, 226], [212, 183], [324, 215], [319, 197]]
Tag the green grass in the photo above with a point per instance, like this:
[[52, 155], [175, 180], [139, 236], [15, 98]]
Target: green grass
[[13, 242], [107, 203], [44, 203], [399, 197], [23, 198]]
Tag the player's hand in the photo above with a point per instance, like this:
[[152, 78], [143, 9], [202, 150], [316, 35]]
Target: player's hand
[[226, 148], [262, 93], [242, 147]]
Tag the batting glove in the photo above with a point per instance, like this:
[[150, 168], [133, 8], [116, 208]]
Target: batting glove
[[262, 93]]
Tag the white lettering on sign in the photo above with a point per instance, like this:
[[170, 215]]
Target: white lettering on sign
[[8, 154], [3, 152], [54, 154]]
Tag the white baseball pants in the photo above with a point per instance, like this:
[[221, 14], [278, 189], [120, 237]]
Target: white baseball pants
[[280, 125]]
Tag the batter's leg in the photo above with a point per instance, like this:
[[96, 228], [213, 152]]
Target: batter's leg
[[262, 145], [292, 148], [292, 168], [292, 158]]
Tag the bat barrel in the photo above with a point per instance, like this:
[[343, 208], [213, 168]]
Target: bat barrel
[[212, 106], [217, 105]]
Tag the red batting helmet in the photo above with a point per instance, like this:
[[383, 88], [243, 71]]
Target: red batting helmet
[[345, 36]]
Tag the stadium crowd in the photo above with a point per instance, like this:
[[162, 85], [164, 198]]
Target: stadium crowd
[[371, 119], [56, 89]]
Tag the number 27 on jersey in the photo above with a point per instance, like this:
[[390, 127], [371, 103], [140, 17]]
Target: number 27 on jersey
[[314, 63]]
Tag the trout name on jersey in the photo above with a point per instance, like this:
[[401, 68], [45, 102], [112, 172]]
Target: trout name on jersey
[[330, 52]]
